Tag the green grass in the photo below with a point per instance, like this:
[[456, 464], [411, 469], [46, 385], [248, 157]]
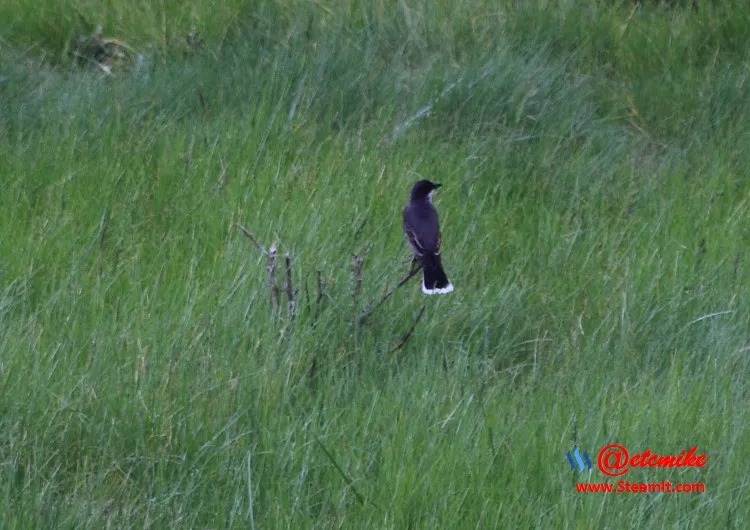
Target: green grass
[[595, 225]]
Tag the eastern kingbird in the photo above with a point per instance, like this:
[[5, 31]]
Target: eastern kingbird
[[423, 230]]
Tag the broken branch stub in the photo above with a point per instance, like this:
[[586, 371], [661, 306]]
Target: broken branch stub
[[289, 289], [357, 272], [272, 285]]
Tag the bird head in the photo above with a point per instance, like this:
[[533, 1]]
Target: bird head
[[423, 190]]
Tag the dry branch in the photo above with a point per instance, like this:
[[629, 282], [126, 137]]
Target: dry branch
[[320, 295], [307, 297], [407, 335], [289, 289], [416, 266], [272, 285], [357, 272], [313, 370], [252, 238]]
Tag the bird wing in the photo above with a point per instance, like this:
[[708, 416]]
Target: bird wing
[[423, 233], [414, 241]]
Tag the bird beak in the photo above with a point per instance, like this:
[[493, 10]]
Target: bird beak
[[437, 185]]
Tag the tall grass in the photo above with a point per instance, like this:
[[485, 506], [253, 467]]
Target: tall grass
[[594, 215]]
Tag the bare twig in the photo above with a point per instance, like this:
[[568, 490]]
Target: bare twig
[[407, 335], [358, 232], [313, 370], [289, 289], [273, 287], [344, 475], [357, 271], [252, 238], [307, 296], [320, 294], [202, 99], [415, 267]]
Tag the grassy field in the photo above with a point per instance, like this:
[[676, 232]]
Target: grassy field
[[594, 163]]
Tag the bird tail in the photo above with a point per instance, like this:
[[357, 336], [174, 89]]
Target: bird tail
[[434, 280]]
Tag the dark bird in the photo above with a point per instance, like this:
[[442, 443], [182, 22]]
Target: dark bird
[[423, 230]]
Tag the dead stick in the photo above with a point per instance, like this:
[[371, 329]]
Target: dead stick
[[387, 295], [289, 289], [320, 295], [411, 275], [273, 287], [252, 238], [407, 335], [357, 271], [313, 370], [307, 296]]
